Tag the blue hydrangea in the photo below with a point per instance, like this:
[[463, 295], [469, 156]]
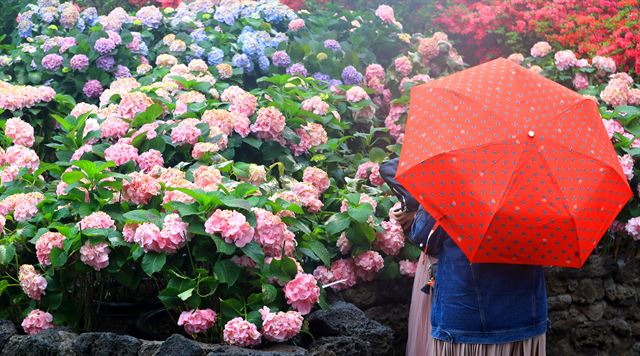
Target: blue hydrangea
[[334, 82], [351, 76], [251, 46], [263, 63], [198, 51], [25, 28], [90, 15], [322, 77], [81, 25], [199, 35], [277, 39], [215, 56], [143, 49], [297, 69], [225, 14], [240, 60]]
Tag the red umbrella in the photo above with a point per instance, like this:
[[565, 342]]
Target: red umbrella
[[515, 167]]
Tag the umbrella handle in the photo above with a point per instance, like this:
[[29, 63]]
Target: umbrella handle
[[426, 244]]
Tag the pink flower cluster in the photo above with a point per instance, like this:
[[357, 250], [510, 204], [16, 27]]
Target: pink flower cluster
[[364, 198], [371, 171], [18, 97], [20, 132], [343, 244], [565, 59], [317, 177], [308, 195], [269, 124], [385, 13], [342, 274], [296, 25], [133, 104], [19, 157], [240, 100], [186, 132], [633, 228], [612, 126], [113, 127], [391, 121], [139, 188], [392, 240], [619, 92], [96, 256], [150, 160], [32, 282], [375, 78], [408, 268], [97, 220], [242, 333], [311, 135], [197, 321], [403, 66], [540, 49], [627, 163], [168, 240], [316, 105], [428, 48], [231, 225], [368, 264], [302, 292], [22, 205], [356, 94], [516, 58], [604, 64], [272, 234], [207, 178], [581, 81], [45, 244], [281, 326], [36, 321]]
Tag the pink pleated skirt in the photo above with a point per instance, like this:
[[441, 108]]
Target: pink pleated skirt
[[420, 342]]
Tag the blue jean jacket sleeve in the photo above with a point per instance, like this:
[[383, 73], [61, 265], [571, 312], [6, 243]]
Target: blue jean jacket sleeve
[[420, 229]]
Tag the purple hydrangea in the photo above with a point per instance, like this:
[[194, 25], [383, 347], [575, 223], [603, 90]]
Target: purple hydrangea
[[150, 16], [106, 62], [215, 56], [122, 72], [79, 62], [263, 63], [104, 45], [334, 82], [351, 76], [321, 77], [92, 89], [297, 69], [52, 61], [332, 45], [280, 59]]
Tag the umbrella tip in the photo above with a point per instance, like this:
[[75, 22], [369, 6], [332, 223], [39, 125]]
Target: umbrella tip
[[532, 134]]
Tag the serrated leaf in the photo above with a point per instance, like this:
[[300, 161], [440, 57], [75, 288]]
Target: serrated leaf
[[222, 246], [7, 252], [269, 293], [254, 251], [319, 250], [153, 262], [360, 213], [58, 257], [227, 272]]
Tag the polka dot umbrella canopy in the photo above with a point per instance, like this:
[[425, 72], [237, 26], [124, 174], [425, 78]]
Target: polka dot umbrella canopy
[[515, 167]]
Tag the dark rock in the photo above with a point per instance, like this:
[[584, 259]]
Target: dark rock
[[178, 345], [394, 316], [623, 294], [588, 291], [636, 348], [344, 319], [7, 330], [277, 350], [629, 272], [340, 346], [556, 286], [572, 284], [367, 295], [50, 342], [621, 327], [148, 348], [106, 344], [635, 328], [594, 311], [559, 302], [593, 336], [595, 267]]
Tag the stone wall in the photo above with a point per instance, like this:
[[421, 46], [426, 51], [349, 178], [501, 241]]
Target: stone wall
[[593, 311]]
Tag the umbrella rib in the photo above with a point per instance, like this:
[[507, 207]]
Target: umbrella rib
[[565, 207]]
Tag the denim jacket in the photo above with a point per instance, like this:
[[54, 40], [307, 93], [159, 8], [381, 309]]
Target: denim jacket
[[482, 303]]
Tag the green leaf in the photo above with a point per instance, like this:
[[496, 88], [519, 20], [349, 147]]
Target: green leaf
[[253, 142], [153, 262], [148, 116], [269, 293], [236, 203], [360, 213], [58, 257], [6, 254], [231, 308], [254, 251], [222, 246], [3, 285], [140, 216], [319, 250], [377, 155], [186, 294], [72, 177], [227, 272], [337, 223]]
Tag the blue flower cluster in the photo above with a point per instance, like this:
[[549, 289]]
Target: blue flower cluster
[[253, 45], [272, 11]]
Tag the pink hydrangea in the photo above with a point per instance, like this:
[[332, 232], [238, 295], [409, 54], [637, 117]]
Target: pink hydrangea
[[9, 174], [20, 132], [296, 25], [197, 321], [371, 171], [96, 256], [257, 174], [221, 119], [150, 160], [83, 108], [408, 268], [231, 225], [272, 234], [385, 13], [244, 261], [97, 220], [240, 100], [36, 321], [317, 177], [316, 105], [241, 123], [269, 124], [149, 130], [200, 149], [133, 104], [23, 206], [565, 59], [45, 244], [604, 64], [364, 198], [281, 326], [207, 178], [241, 333], [17, 97], [139, 188], [344, 272], [323, 275], [392, 240], [540, 49], [121, 153], [343, 243], [173, 234], [302, 292], [367, 264], [129, 232], [428, 48], [21, 157], [113, 127], [616, 93], [612, 126], [626, 162], [633, 228], [516, 58], [81, 151], [311, 135], [403, 66], [186, 132], [32, 282], [308, 195], [581, 81], [356, 94]]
